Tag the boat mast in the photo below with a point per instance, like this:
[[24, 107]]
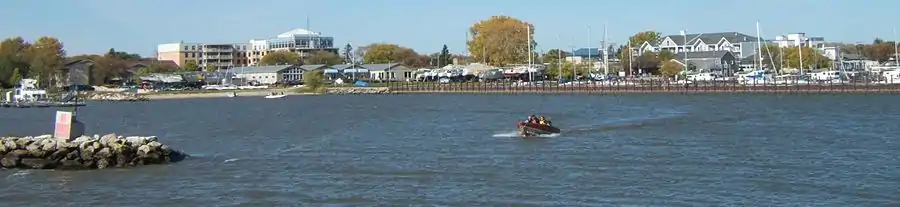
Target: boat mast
[[605, 52], [558, 61], [759, 47], [530, 74]]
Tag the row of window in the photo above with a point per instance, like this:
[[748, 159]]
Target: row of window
[[194, 47]]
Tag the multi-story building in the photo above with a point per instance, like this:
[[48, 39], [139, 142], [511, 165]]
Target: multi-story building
[[800, 39], [225, 56], [218, 56], [739, 44]]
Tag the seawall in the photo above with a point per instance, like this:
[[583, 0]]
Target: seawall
[[357, 90], [96, 152]]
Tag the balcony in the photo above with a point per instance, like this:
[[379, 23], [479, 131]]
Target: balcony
[[218, 49], [218, 57]]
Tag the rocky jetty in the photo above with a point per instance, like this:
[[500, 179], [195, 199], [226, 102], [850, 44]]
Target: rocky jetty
[[115, 96], [97, 152], [358, 90]]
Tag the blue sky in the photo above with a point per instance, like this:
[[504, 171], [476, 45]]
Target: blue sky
[[93, 26]]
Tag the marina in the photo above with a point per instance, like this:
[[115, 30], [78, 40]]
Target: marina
[[28, 95]]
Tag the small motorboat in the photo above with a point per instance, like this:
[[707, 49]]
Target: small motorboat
[[275, 96], [232, 95], [535, 129]]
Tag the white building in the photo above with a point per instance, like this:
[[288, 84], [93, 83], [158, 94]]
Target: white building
[[800, 39], [268, 75], [739, 44], [224, 56]]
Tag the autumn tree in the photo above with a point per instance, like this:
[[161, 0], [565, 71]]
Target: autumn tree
[[323, 57], [281, 57], [13, 55], [47, 55], [390, 53], [670, 68], [313, 80], [501, 40], [665, 55]]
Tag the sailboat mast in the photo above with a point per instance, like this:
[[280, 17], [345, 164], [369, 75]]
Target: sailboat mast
[[605, 51], [896, 57], [530, 74], [758, 46]]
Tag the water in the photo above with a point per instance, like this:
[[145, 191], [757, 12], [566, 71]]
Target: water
[[455, 150]]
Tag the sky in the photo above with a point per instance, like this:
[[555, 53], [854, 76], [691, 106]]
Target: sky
[[137, 26]]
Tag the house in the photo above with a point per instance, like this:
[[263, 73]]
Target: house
[[724, 62], [76, 73], [352, 71], [389, 72], [739, 44], [132, 67], [268, 75]]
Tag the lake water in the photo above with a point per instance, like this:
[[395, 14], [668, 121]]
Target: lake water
[[459, 150]]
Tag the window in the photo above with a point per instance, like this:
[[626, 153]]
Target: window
[[194, 47], [185, 47]]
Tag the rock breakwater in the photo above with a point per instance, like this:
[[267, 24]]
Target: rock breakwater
[[358, 90], [97, 152], [115, 96]]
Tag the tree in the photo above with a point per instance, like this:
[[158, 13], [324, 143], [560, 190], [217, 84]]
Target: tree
[[625, 58], [391, 53], [811, 58], [313, 80], [16, 77], [348, 53], [771, 54], [211, 68], [139, 73], [501, 40], [281, 57], [639, 38], [323, 57], [554, 55], [190, 65], [665, 55], [122, 55], [648, 61], [359, 54], [47, 55], [445, 58], [670, 68], [13, 55]]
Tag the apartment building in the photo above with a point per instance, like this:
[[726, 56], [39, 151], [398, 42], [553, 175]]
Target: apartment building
[[218, 56], [739, 44], [225, 56]]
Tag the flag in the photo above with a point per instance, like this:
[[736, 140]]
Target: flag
[[682, 33]]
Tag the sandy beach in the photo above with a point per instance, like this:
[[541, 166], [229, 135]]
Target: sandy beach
[[220, 94]]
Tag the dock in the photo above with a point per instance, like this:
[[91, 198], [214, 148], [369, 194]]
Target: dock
[[40, 104]]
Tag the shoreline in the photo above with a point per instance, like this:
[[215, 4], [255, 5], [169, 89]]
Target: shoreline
[[219, 94]]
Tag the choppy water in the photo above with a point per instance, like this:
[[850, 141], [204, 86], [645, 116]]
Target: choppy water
[[454, 150]]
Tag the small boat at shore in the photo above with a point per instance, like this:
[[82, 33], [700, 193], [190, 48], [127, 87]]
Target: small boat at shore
[[535, 129], [276, 96], [232, 95]]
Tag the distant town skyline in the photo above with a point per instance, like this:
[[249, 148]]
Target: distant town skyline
[[94, 26]]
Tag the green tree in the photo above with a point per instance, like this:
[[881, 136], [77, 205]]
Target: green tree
[[501, 40], [639, 38], [665, 55], [348, 53], [211, 68], [445, 58], [391, 53], [190, 65], [123, 55], [280, 57], [16, 77], [811, 58], [625, 59], [772, 57], [313, 80], [554, 55], [47, 55], [670, 68], [323, 57], [140, 73]]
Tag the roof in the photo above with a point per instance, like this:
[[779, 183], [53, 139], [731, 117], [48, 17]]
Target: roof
[[380, 67], [297, 32], [72, 62], [709, 38], [343, 66], [590, 51], [702, 55], [260, 69], [313, 67]]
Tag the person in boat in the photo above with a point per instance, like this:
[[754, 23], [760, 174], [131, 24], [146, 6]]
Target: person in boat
[[532, 119], [545, 121]]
